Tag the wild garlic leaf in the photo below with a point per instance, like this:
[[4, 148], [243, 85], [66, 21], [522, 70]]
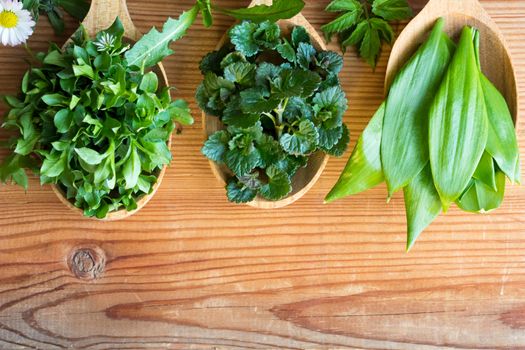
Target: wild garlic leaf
[[363, 169], [153, 47], [457, 135], [422, 204], [501, 142], [480, 198], [485, 171], [404, 142], [280, 9]]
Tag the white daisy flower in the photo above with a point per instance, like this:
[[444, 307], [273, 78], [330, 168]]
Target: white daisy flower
[[16, 23]]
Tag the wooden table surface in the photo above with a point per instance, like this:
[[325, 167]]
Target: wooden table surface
[[193, 271]]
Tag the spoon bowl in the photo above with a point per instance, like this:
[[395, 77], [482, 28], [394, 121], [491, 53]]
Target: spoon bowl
[[495, 59], [305, 177], [101, 15]]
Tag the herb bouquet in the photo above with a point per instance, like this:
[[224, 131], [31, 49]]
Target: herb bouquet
[[92, 121], [279, 106]]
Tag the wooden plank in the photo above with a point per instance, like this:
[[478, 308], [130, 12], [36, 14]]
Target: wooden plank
[[192, 271]]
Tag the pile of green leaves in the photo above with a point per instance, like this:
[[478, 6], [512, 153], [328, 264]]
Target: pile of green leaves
[[444, 135], [365, 24], [54, 10], [279, 100], [90, 119]]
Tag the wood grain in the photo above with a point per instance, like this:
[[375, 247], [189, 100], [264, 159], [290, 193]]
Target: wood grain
[[191, 271]]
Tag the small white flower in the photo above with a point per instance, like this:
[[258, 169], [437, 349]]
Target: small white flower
[[16, 23], [105, 42]]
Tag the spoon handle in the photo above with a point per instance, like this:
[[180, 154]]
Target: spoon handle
[[102, 14]]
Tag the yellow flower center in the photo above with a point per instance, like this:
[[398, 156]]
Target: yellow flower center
[[8, 19]]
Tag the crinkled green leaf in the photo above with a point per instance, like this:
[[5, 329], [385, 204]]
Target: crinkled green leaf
[[404, 142], [302, 141], [340, 147], [237, 192], [458, 125], [242, 73], [278, 186]]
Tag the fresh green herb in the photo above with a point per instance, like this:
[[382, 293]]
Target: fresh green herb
[[279, 100], [54, 10], [469, 144], [92, 124], [364, 24]]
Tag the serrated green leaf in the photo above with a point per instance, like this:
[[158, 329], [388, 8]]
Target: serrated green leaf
[[241, 36], [242, 73], [257, 100], [384, 29], [330, 61], [458, 124], [287, 51], [370, 45], [278, 186], [300, 35], [238, 192], [343, 22], [153, 46], [302, 141], [404, 143], [422, 204], [363, 169], [392, 10]]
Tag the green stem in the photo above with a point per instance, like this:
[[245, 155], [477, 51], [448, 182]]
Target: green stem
[[279, 112]]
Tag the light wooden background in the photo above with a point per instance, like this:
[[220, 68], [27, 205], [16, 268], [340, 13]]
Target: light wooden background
[[193, 271]]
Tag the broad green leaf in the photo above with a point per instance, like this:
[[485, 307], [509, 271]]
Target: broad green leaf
[[485, 171], [242, 73], [458, 124], [280, 9], [30, 135], [53, 166], [149, 82], [83, 70], [55, 100], [422, 204], [392, 10], [90, 156], [404, 141], [501, 142], [363, 169], [153, 46], [132, 168], [480, 198], [63, 119]]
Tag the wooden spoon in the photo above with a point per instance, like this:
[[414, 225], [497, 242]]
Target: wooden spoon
[[101, 15], [306, 177], [495, 60]]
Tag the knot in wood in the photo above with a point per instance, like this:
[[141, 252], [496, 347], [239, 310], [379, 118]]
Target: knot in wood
[[87, 262]]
